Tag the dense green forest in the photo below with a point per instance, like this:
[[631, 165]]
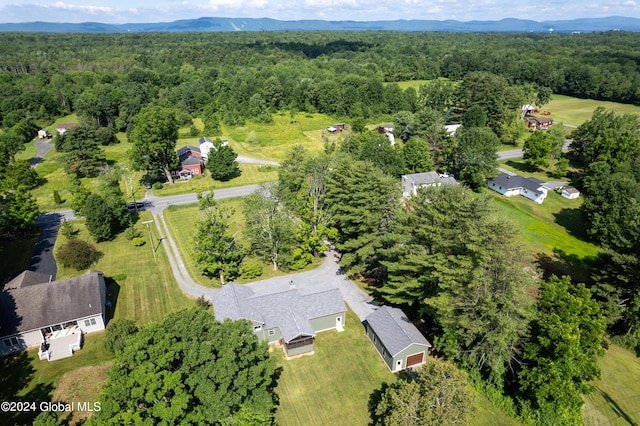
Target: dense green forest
[[530, 340]]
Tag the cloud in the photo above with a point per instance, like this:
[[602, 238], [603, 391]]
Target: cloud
[[82, 8]]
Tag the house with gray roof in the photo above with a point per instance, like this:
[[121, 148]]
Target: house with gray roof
[[35, 311], [398, 341], [412, 182], [510, 185], [290, 318]]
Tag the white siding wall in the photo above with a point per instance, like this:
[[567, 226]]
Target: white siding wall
[[88, 328]]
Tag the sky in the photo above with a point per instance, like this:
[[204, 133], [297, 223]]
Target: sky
[[129, 11]]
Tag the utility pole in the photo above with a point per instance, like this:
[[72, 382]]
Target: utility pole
[[153, 250]]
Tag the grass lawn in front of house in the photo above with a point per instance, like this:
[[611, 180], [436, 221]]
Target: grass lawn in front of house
[[251, 174], [181, 221], [616, 399], [553, 231], [141, 288], [575, 111]]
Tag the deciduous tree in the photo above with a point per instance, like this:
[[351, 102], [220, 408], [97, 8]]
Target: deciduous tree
[[474, 158], [154, 138], [222, 162], [537, 149]]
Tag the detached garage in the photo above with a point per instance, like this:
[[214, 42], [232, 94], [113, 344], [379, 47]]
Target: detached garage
[[397, 340]]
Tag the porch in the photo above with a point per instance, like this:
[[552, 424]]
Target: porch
[[59, 344]]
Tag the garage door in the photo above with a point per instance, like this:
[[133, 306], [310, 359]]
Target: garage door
[[415, 359]]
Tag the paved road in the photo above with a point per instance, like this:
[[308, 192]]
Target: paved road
[[517, 153], [44, 146]]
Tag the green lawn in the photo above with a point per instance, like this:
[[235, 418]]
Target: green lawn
[[575, 111], [143, 289], [334, 385], [251, 174], [552, 231], [616, 400]]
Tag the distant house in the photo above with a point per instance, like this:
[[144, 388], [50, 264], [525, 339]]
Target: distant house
[[336, 128], [290, 318], [398, 341], [452, 129], [412, 182], [539, 123], [570, 193], [44, 134], [62, 128], [529, 109], [190, 163], [510, 185], [205, 145], [35, 311]]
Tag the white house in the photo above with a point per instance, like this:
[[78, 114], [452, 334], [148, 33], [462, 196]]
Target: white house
[[452, 129], [35, 311], [205, 145], [570, 193], [510, 185], [412, 182], [62, 128]]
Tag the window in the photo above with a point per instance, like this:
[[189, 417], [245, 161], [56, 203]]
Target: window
[[257, 328], [10, 342], [89, 322], [272, 332]]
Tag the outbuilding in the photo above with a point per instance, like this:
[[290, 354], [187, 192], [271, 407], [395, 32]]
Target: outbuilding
[[397, 340]]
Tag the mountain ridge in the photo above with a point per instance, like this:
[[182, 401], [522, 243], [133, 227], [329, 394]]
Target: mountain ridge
[[217, 24]]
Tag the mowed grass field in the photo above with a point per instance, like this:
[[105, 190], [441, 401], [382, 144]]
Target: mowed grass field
[[140, 288], [616, 400], [574, 111]]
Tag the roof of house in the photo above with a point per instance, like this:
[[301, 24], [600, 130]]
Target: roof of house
[[35, 306], [429, 178], [570, 190], [204, 139], [517, 181], [289, 310], [186, 149], [27, 278], [394, 329]]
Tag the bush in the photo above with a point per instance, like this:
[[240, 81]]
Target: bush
[[77, 254], [137, 241], [157, 185], [117, 332], [56, 197], [250, 269], [68, 230]]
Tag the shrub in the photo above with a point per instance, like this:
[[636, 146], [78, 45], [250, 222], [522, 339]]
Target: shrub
[[68, 230], [157, 185], [250, 269], [137, 241], [56, 197], [201, 302], [77, 254], [117, 332]]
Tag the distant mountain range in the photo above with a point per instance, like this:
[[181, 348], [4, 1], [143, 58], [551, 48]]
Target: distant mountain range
[[266, 24]]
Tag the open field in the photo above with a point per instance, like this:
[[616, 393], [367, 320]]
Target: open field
[[251, 174], [575, 111], [334, 385], [616, 400], [81, 385], [553, 232], [140, 288]]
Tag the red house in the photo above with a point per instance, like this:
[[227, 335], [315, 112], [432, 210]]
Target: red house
[[191, 163]]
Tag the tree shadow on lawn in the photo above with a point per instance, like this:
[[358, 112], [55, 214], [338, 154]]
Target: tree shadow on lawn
[[562, 263], [616, 408], [571, 220], [521, 166], [16, 372]]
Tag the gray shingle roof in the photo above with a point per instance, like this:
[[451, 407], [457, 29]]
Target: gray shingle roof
[[394, 329], [35, 306], [186, 149], [517, 181], [289, 310], [27, 278]]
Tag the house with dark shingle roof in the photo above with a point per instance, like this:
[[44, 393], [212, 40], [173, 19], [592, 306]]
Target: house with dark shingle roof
[[510, 185], [413, 182], [35, 311], [290, 318], [190, 163], [398, 341]]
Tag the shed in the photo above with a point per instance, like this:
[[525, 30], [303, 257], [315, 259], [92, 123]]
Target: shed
[[570, 193], [397, 340]]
